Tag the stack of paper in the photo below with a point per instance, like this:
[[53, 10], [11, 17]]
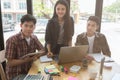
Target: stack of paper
[[51, 69]]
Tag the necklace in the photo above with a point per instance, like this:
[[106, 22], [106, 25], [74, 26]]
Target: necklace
[[61, 22]]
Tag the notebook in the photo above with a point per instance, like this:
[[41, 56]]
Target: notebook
[[71, 54], [45, 59]]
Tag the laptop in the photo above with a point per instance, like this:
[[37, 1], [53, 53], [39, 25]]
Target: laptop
[[71, 54]]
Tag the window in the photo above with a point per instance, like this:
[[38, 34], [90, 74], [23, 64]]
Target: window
[[22, 6], [43, 11], [11, 17], [80, 11], [18, 17], [8, 16], [7, 5], [111, 26]]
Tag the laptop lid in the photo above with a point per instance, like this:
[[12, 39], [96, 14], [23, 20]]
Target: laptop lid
[[71, 54]]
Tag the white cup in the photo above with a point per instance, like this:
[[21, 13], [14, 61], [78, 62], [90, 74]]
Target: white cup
[[92, 74]]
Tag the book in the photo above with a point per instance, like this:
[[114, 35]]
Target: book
[[33, 54]]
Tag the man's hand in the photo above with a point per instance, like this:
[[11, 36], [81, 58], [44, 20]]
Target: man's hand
[[89, 58], [31, 58]]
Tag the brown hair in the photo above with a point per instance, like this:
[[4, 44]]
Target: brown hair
[[95, 19]]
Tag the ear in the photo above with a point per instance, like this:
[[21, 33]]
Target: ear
[[21, 25], [97, 27]]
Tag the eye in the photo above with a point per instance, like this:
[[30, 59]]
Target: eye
[[26, 25], [63, 9], [31, 26], [58, 9]]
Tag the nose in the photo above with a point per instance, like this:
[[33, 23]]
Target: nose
[[28, 28], [60, 11], [89, 27]]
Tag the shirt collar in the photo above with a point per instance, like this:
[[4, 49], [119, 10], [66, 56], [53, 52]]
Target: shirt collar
[[22, 35], [85, 34]]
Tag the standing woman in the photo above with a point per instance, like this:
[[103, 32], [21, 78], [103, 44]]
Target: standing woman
[[60, 29]]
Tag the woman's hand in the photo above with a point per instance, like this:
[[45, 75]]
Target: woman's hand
[[49, 54]]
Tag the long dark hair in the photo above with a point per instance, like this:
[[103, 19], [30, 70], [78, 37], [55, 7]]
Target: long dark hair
[[65, 3], [67, 19]]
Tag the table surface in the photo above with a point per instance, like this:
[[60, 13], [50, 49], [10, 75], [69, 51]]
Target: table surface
[[83, 74]]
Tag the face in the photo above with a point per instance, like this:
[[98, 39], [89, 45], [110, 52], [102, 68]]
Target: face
[[60, 10], [27, 28], [91, 27]]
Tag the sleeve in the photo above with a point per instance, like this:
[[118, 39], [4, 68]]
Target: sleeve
[[78, 40], [10, 51], [105, 46], [38, 43]]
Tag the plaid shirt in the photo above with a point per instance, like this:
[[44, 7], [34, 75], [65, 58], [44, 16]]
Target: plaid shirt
[[16, 47]]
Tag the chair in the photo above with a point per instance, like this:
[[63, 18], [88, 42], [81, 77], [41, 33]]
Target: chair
[[2, 59]]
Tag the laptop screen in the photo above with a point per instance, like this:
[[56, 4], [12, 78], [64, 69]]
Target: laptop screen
[[71, 54]]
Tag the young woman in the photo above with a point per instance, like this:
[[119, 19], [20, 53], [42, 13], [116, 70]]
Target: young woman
[[60, 29]]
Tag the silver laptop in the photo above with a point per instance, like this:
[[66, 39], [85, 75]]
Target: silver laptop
[[71, 54]]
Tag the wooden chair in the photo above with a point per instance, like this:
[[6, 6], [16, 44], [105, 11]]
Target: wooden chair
[[2, 59]]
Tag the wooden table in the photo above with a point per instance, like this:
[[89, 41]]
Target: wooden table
[[83, 74]]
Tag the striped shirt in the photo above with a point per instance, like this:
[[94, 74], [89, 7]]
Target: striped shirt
[[16, 47]]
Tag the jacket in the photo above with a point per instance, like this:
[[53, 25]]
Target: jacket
[[52, 33], [100, 43]]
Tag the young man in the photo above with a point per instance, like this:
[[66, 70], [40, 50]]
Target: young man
[[97, 41], [19, 45]]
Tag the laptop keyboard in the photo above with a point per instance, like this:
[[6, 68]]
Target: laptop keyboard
[[34, 77]]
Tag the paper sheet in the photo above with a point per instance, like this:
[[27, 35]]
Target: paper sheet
[[116, 76], [99, 56], [108, 64]]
